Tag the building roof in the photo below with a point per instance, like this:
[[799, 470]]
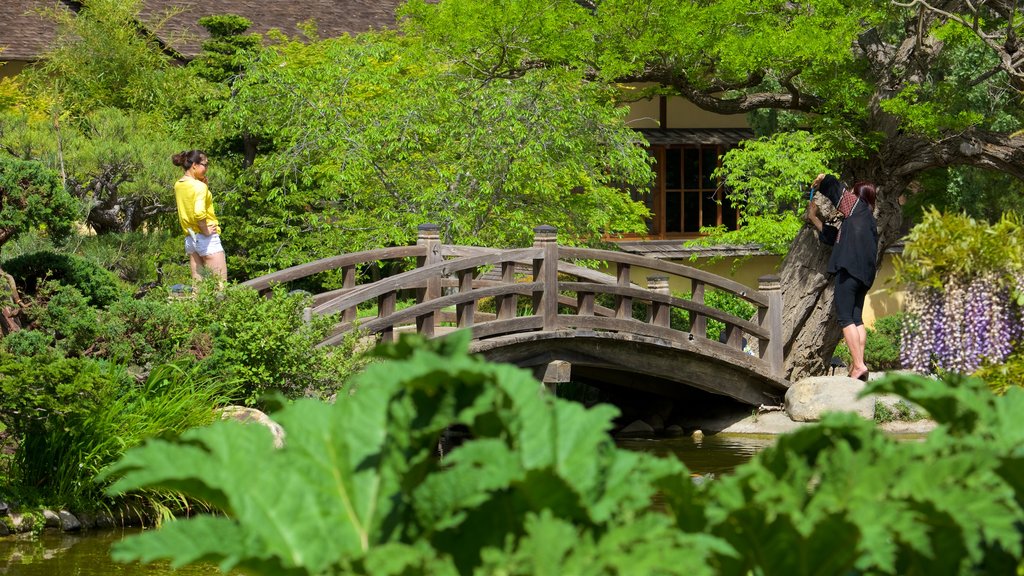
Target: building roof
[[669, 136], [25, 34], [675, 250]]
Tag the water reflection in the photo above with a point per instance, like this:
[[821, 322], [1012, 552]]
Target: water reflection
[[717, 454], [86, 554]]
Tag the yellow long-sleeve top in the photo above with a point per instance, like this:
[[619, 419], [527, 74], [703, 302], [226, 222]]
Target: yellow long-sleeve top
[[195, 203]]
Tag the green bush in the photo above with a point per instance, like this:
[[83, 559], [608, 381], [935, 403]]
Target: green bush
[[71, 417], [882, 348], [100, 286], [263, 342], [64, 312], [1003, 377]]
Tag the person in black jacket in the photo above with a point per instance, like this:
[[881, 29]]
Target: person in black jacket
[[853, 263]]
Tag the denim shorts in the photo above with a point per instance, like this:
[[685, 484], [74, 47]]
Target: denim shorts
[[203, 245]]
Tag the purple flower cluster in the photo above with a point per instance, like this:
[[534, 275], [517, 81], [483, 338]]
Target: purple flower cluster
[[964, 325]]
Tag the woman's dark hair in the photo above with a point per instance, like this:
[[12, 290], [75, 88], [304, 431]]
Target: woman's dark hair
[[865, 191], [187, 158]]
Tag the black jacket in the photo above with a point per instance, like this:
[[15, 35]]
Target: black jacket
[[857, 246]]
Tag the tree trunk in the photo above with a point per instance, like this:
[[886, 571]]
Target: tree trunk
[[809, 326]]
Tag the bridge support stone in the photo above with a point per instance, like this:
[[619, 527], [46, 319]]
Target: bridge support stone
[[553, 373]]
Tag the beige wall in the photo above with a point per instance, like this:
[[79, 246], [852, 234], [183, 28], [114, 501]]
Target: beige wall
[[681, 113], [882, 300]]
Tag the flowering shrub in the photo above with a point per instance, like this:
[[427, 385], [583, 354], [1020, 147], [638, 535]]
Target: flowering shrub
[[965, 307]]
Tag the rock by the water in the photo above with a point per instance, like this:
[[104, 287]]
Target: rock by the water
[[809, 398], [637, 428], [244, 414], [68, 521]]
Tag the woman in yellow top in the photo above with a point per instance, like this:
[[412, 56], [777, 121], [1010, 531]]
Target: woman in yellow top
[[197, 217]]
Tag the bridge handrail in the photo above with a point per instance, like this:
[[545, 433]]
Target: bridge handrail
[[333, 263], [415, 278], [408, 315], [741, 290]]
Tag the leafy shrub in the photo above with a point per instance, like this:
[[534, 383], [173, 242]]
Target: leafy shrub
[[32, 196], [98, 285], [539, 487], [263, 342], [882, 347], [65, 313], [1003, 377], [26, 342], [71, 417]]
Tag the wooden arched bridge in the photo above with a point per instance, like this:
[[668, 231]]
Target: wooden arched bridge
[[537, 307]]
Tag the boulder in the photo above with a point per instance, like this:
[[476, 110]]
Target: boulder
[[638, 428], [246, 415], [68, 521], [808, 399]]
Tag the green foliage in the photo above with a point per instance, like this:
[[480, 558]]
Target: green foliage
[[102, 58], [981, 194], [954, 246], [72, 417], [718, 299], [366, 138], [768, 180], [262, 342], [540, 489], [1002, 377], [31, 196], [65, 313], [116, 162], [901, 411], [97, 284], [882, 349]]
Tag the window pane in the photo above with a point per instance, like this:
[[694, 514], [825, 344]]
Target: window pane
[[691, 168], [728, 213], [709, 205], [691, 211], [709, 161], [673, 209], [673, 179]]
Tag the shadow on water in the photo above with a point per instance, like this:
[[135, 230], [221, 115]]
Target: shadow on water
[[715, 454]]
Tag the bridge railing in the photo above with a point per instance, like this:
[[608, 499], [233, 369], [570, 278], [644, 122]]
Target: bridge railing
[[537, 288]]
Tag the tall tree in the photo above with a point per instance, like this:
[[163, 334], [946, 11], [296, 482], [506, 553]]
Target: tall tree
[[895, 88]]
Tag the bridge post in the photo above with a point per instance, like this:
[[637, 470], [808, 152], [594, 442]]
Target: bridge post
[[545, 270], [771, 318], [659, 314], [428, 235]]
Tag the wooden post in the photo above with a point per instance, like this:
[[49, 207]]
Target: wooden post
[[506, 305], [545, 270], [699, 326], [385, 308], [348, 282], [771, 318], [623, 304], [428, 235], [464, 312], [659, 314]]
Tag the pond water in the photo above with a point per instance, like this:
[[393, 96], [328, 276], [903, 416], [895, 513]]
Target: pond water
[[87, 554]]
